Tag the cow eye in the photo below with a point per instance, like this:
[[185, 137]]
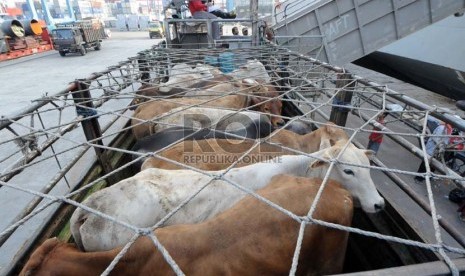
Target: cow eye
[[349, 171]]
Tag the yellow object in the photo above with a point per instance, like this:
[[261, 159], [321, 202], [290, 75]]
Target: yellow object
[[17, 30], [36, 28]]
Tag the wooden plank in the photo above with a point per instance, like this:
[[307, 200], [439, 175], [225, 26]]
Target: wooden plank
[[426, 269]]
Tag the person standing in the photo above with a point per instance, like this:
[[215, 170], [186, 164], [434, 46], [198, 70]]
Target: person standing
[[434, 144], [375, 139], [212, 8], [200, 11]]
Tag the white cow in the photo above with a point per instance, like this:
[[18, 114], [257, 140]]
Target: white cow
[[203, 117], [253, 69], [150, 195], [243, 86], [183, 75]]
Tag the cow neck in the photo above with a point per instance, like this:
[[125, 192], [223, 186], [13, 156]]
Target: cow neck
[[76, 262], [258, 175], [142, 258], [286, 164]]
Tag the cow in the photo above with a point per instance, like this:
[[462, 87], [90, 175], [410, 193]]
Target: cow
[[184, 79], [206, 117], [189, 151], [143, 126], [148, 91], [155, 142], [234, 242], [183, 75], [300, 127], [252, 69], [147, 197]]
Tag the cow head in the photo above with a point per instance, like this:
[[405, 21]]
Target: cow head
[[39, 257], [271, 107], [356, 180]]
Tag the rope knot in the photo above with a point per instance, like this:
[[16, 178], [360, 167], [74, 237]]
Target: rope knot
[[144, 231]]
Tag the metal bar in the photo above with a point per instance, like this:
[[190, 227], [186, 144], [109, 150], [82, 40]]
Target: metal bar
[[53, 149], [143, 67], [453, 232], [457, 123], [254, 18], [32, 239], [35, 202], [53, 182], [6, 120], [35, 153], [425, 269], [91, 126], [412, 148], [343, 97], [211, 40], [205, 20]]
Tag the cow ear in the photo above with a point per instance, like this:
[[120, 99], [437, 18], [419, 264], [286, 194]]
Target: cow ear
[[369, 153], [315, 164]]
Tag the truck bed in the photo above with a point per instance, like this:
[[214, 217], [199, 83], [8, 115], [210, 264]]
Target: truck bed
[[87, 151]]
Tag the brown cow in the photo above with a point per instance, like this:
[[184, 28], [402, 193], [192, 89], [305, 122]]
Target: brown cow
[[147, 91], [218, 154], [233, 243], [150, 110]]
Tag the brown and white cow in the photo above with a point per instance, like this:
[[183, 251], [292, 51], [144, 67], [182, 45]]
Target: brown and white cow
[[147, 197], [143, 121], [251, 238]]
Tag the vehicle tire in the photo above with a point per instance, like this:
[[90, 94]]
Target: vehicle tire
[[98, 46], [82, 51], [62, 53], [151, 36]]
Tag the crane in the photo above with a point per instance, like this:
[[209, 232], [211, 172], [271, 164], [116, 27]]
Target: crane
[[48, 17]]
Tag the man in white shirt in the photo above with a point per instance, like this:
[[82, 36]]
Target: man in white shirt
[[212, 8], [434, 144]]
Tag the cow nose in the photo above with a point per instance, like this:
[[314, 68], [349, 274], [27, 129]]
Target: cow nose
[[379, 207], [281, 123]]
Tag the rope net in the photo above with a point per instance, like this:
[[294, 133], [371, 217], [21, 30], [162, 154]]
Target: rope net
[[47, 165]]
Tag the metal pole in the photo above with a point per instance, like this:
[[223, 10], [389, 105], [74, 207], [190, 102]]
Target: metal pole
[[85, 107], [410, 192], [143, 67], [418, 199], [46, 11], [457, 123], [343, 97], [211, 40], [32, 7], [70, 10], [412, 148], [254, 18]]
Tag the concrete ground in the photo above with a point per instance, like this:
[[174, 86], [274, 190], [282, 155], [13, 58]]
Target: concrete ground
[[28, 78]]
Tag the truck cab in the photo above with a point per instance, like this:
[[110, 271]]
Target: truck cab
[[77, 37], [68, 40]]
